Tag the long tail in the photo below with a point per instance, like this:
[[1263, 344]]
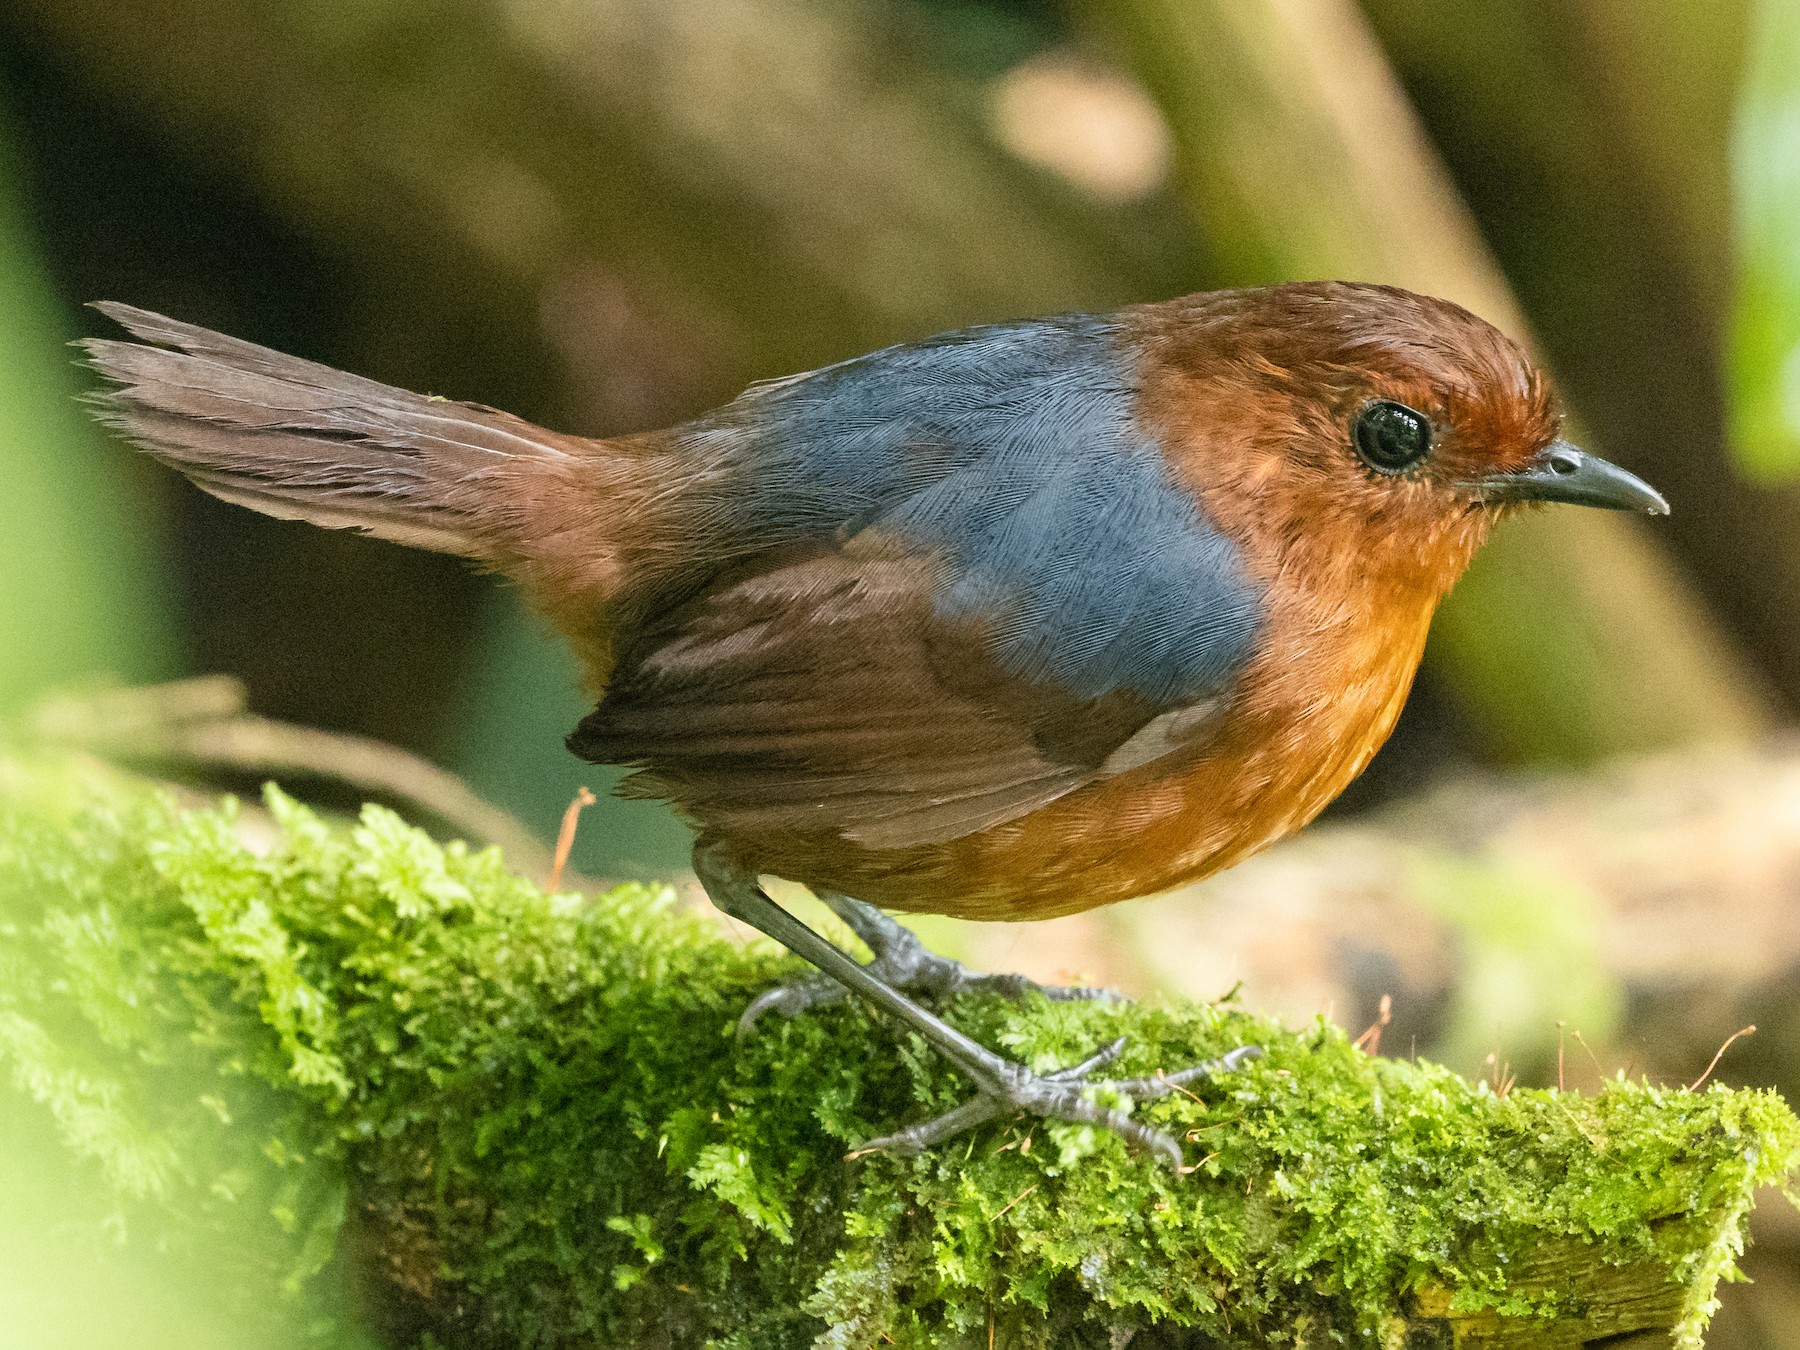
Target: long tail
[[302, 441]]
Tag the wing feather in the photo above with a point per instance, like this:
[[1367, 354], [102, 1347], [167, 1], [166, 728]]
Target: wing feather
[[829, 695]]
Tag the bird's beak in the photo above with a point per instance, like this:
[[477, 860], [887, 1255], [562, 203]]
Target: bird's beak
[[1561, 473]]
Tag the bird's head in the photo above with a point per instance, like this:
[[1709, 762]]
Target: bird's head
[[1362, 425]]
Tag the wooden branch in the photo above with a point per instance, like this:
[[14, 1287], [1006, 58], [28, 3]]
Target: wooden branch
[[1628, 1307], [200, 725]]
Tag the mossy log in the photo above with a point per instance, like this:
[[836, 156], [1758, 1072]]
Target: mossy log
[[378, 1088]]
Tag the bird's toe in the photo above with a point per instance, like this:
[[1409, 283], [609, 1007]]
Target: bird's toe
[[1061, 1094], [790, 1000]]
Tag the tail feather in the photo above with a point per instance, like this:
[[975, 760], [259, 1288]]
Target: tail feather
[[302, 441]]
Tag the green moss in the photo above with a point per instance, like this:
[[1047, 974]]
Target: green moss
[[516, 1119]]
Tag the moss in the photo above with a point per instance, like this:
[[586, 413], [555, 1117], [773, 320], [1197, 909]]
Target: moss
[[509, 1118]]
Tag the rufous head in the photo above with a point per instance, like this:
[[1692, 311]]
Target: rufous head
[[1362, 420]]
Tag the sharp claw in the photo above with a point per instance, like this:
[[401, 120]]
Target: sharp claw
[[1160, 1144], [1105, 1055], [790, 1000], [1228, 1061], [747, 1019], [1154, 1142], [769, 998], [1147, 1089], [1056, 1096], [1081, 994]]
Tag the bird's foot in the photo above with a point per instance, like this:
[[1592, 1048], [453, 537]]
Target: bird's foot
[[1060, 1095], [1002, 1084], [900, 961]]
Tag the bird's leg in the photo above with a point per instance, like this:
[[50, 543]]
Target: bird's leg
[[900, 961], [1003, 1084]]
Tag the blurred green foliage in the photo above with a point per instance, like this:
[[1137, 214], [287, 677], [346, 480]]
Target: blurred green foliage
[[354, 1059], [1530, 947], [77, 1274], [524, 694], [1764, 355], [158, 1192], [82, 590]]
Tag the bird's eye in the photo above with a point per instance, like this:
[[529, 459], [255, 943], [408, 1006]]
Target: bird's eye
[[1391, 437]]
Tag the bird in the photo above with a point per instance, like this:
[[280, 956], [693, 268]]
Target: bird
[[1004, 623]]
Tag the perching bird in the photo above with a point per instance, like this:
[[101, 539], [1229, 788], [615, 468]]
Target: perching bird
[[1005, 624]]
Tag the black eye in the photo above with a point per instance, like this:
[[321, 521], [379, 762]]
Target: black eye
[[1391, 437]]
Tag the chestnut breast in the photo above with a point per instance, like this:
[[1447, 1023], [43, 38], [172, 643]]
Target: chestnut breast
[[1309, 710]]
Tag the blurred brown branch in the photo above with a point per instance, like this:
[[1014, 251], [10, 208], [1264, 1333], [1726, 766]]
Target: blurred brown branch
[[679, 197], [202, 725]]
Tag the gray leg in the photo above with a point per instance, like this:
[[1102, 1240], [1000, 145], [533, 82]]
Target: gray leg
[[900, 961], [1003, 1084]]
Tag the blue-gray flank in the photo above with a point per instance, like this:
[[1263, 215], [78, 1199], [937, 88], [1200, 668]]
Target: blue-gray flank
[[1012, 452]]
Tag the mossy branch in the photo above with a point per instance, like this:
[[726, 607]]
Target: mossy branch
[[361, 1060]]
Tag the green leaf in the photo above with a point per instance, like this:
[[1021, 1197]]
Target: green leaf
[[1764, 375]]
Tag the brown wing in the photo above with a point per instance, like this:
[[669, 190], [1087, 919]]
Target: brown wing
[[826, 695]]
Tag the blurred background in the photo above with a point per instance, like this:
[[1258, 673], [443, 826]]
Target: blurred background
[[607, 215]]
